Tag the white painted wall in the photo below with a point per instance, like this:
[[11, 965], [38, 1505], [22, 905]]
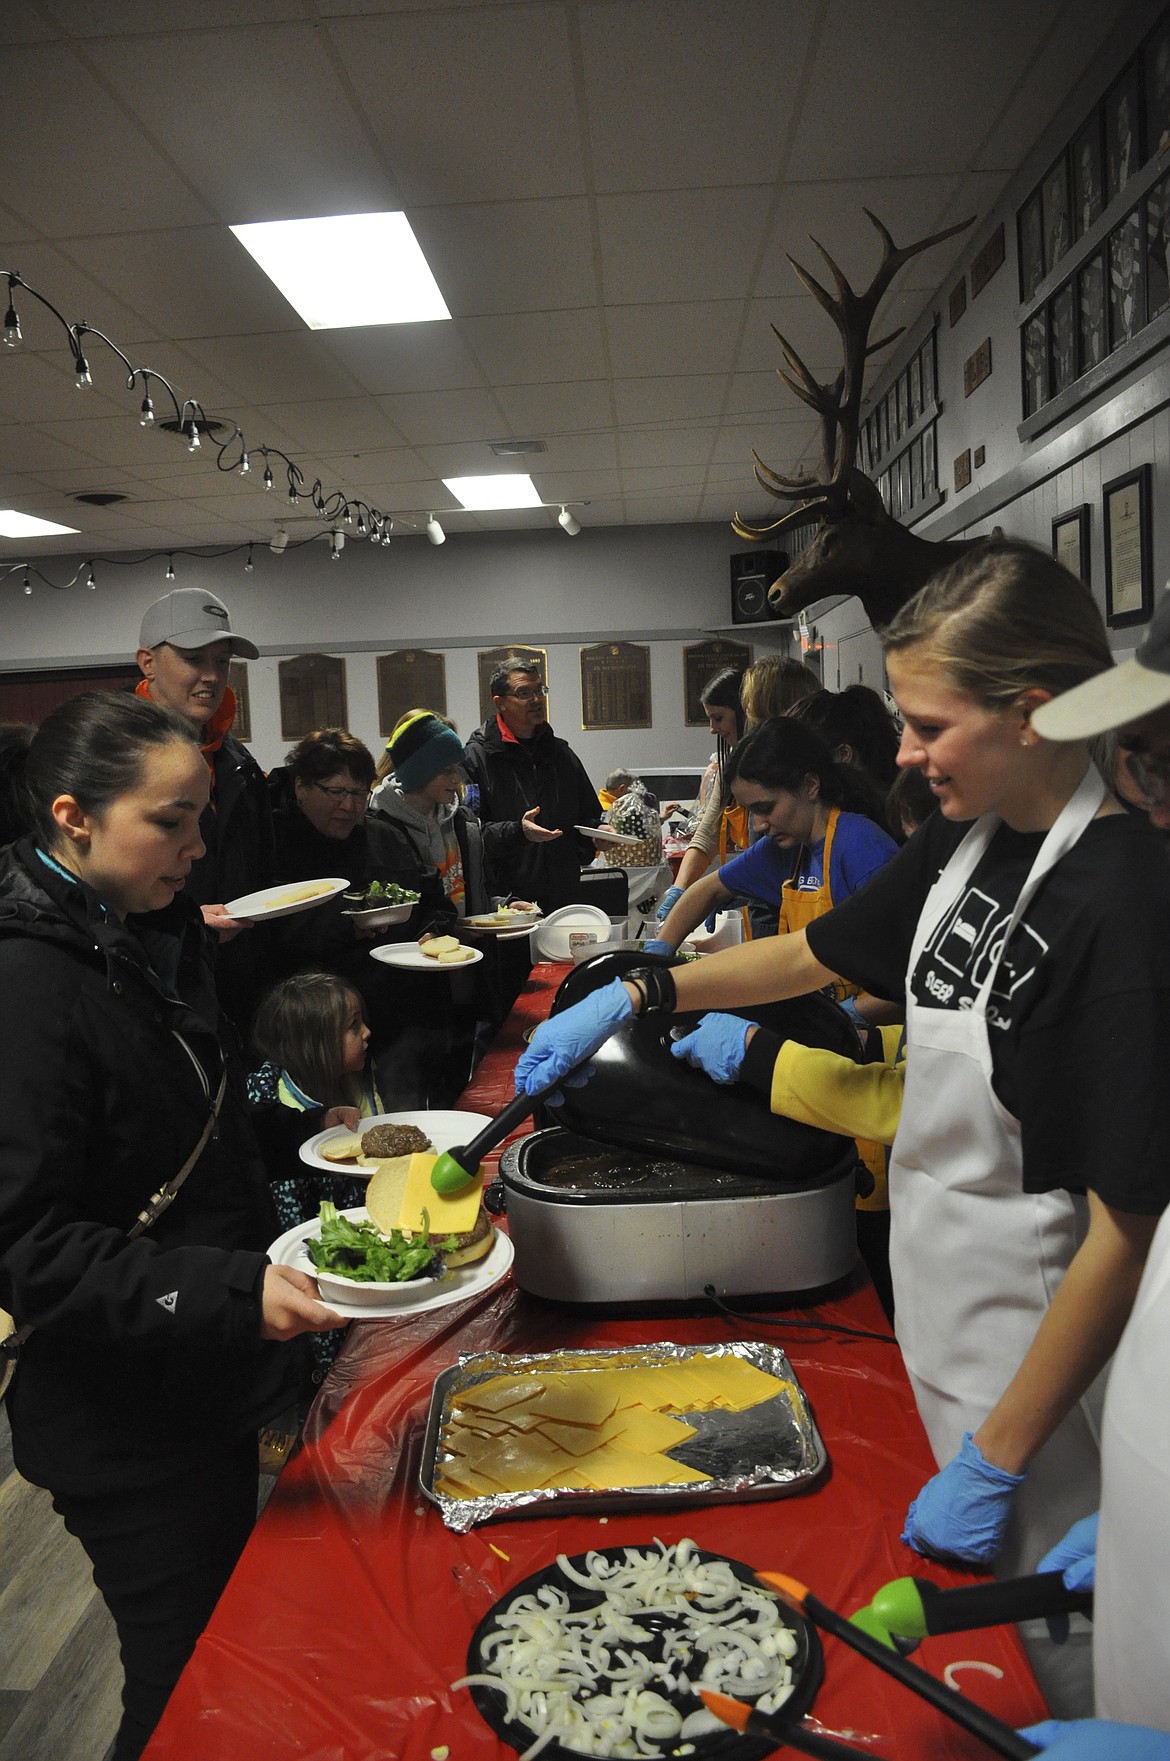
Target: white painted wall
[[665, 585]]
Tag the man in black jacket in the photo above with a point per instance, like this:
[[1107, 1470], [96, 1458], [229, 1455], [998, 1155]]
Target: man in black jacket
[[185, 648], [523, 769]]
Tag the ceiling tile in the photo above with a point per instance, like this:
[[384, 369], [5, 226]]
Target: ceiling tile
[[136, 18], [34, 386], [198, 282], [659, 400], [681, 244], [269, 369], [386, 358], [28, 449], [666, 340], [511, 131], [330, 423], [510, 256], [538, 346], [533, 410], [665, 446], [430, 417]]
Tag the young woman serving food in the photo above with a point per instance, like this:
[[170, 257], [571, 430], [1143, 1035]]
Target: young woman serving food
[[1025, 924], [152, 1357]]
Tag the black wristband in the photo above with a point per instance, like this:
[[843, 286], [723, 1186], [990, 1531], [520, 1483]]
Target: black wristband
[[657, 985]]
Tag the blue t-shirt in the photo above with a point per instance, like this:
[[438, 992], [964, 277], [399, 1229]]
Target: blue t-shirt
[[860, 848]]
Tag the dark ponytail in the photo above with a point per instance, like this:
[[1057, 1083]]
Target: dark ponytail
[[782, 752], [94, 748]]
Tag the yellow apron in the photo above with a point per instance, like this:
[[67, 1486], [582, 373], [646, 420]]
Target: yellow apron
[[734, 836], [799, 907]]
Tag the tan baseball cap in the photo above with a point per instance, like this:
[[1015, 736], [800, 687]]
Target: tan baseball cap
[[1115, 698], [189, 617]]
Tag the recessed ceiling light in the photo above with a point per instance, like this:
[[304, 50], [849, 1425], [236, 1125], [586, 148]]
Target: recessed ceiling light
[[14, 525], [347, 269], [505, 490]]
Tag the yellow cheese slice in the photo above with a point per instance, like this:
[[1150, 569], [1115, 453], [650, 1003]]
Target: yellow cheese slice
[[448, 1213], [499, 1392], [734, 1382], [438, 945]]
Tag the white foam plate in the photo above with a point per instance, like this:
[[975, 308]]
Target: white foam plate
[[520, 923], [604, 834], [446, 1128], [411, 956], [263, 906], [289, 1250]]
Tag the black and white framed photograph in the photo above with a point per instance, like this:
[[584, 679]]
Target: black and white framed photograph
[[1087, 187], [1129, 556], [916, 472], [1122, 145], [900, 407], [1070, 541], [1062, 340], [926, 356], [886, 494], [1126, 282], [1157, 254], [929, 464], [915, 383], [1091, 313], [884, 417], [1031, 247], [904, 471], [1055, 211], [1156, 58], [1035, 350]]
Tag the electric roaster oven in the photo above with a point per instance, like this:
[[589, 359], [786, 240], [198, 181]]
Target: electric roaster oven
[[651, 1181]]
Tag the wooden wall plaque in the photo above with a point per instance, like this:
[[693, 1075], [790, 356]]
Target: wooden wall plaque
[[987, 262], [977, 367], [615, 685], [488, 659], [410, 678], [312, 694], [701, 661], [963, 470], [238, 680]]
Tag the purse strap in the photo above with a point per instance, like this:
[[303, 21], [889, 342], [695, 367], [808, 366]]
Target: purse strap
[[150, 1213]]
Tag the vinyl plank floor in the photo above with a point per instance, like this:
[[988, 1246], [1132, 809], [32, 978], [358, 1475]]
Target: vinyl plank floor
[[74, 1711], [45, 1584]]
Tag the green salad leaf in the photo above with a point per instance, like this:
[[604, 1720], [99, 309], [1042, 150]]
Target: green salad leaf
[[390, 893], [360, 1251]]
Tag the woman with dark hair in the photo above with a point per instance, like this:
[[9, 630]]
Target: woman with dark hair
[[816, 848], [151, 1358], [721, 828], [858, 729], [15, 806]]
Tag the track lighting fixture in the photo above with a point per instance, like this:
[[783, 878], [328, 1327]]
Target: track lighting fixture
[[278, 541], [170, 568], [567, 522], [435, 532]]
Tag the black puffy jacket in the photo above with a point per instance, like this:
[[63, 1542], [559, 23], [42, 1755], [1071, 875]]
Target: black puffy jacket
[[514, 775], [146, 1355]]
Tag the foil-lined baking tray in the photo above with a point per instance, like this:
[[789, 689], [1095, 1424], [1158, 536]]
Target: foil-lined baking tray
[[770, 1450]]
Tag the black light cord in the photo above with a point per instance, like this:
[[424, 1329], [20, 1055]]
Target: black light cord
[[754, 1320]]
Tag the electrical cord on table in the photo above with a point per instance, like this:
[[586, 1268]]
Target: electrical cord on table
[[754, 1320]]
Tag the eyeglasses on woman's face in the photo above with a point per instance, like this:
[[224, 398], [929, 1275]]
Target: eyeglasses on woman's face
[[356, 796]]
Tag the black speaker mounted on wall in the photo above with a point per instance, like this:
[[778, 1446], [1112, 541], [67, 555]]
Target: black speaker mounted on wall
[[752, 573]]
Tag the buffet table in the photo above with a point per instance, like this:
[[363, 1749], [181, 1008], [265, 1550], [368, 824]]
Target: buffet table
[[351, 1609]]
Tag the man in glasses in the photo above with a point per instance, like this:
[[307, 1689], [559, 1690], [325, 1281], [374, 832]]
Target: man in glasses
[[532, 791], [185, 648], [1128, 1555]]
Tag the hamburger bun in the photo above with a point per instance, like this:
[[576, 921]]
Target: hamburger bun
[[384, 1196]]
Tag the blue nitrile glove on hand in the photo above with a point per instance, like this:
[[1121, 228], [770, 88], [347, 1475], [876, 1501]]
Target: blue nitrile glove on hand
[[1075, 1555], [709, 926], [1098, 1739], [963, 1511], [564, 1041], [668, 902], [717, 1046], [656, 945]]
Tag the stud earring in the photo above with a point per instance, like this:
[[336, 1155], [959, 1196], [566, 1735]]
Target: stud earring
[[1024, 740]]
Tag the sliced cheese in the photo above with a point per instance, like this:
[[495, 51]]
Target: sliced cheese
[[455, 956], [448, 1213], [438, 945]]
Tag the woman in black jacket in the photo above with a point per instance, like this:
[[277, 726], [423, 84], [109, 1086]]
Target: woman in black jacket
[[152, 1362]]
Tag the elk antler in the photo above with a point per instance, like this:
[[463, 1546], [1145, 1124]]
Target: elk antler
[[838, 405]]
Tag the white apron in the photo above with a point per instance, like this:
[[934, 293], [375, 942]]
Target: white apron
[[976, 1260], [1131, 1619]]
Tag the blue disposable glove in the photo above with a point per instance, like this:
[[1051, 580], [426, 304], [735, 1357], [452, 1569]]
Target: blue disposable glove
[[656, 945], [709, 926], [1098, 1739], [963, 1511], [668, 902], [1075, 1555], [564, 1041], [717, 1046]]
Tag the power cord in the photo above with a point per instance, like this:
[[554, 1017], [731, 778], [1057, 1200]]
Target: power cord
[[754, 1320]]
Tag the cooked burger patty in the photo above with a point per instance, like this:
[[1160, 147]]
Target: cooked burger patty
[[394, 1140], [472, 1244]]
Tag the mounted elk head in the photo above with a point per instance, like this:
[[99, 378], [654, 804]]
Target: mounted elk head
[[859, 548]]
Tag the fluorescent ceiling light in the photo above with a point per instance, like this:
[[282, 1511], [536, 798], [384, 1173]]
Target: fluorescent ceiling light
[[347, 269], [501, 491], [14, 525]]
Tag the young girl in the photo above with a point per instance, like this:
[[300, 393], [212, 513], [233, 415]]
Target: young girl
[[139, 1392], [814, 852], [310, 1032], [1029, 1168]]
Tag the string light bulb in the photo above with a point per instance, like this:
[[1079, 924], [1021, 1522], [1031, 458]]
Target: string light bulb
[[27, 584], [81, 372], [91, 579], [12, 337], [336, 543], [245, 464], [248, 562], [147, 414], [386, 531], [192, 435], [293, 497], [170, 568], [267, 473]]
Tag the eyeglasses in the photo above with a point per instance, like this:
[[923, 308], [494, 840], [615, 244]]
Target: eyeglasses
[[529, 694], [1150, 771], [357, 796]]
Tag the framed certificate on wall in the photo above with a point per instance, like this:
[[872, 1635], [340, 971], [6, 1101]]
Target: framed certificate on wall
[[1129, 560], [1070, 541]]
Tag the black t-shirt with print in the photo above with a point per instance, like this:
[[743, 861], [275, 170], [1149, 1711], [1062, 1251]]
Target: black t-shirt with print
[[1079, 1015]]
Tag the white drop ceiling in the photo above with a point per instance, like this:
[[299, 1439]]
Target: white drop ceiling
[[605, 190]]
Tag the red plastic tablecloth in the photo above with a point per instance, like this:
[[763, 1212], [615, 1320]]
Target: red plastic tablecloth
[[350, 1611]]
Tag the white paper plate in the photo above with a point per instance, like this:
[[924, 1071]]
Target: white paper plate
[[411, 956], [519, 925], [446, 1128], [604, 834], [263, 906], [289, 1250]]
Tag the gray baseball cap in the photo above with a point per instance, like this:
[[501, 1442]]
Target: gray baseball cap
[[1115, 698], [189, 617]]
